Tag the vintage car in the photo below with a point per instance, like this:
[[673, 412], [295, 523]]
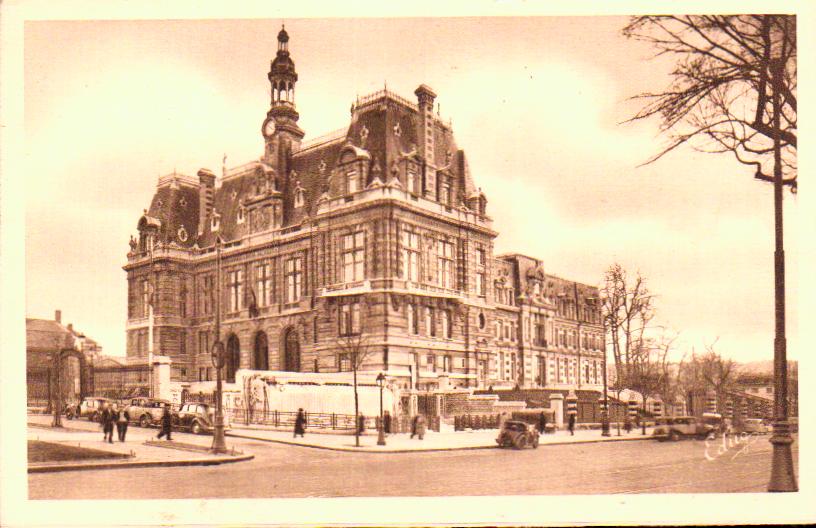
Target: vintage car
[[146, 411], [517, 434], [677, 427], [754, 425], [90, 407], [196, 418]]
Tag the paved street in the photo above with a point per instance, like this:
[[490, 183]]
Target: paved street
[[292, 471]]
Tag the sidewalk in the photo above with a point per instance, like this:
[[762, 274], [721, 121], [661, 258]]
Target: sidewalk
[[402, 443], [141, 450]]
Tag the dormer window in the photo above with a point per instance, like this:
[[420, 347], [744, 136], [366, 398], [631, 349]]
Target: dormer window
[[300, 196], [410, 181], [352, 181], [215, 222]]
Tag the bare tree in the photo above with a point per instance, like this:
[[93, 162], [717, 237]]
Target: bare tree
[[728, 72], [718, 373], [627, 311], [670, 372], [354, 349]]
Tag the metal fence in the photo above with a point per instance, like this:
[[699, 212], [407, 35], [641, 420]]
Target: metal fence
[[286, 419]]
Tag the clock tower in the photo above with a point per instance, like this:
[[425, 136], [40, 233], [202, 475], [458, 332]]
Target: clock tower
[[281, 132]]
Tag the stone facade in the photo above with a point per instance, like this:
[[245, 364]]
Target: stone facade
[[375, 231]]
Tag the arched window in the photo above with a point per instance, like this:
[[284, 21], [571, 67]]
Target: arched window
[[260, 356], [446, 324], [291, 351]]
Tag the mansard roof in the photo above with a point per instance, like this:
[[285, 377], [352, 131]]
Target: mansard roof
[[383, 130]]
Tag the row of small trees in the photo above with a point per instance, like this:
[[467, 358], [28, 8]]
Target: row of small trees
[[645, 355]]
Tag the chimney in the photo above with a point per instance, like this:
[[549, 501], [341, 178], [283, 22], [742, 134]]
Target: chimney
[[71, 327], [58, 316], [425, 100], [206, 196]]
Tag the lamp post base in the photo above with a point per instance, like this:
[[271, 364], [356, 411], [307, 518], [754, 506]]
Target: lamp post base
[[605, 426], [381, 437], [219, 445], [783, 478]]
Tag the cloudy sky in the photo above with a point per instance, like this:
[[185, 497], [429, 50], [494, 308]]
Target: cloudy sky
[[535, 102]]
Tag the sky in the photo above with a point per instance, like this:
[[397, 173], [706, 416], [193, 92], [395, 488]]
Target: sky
[[535, 102]]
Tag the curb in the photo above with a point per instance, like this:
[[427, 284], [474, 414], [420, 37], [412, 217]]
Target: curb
[[128, 465], [430, 449]]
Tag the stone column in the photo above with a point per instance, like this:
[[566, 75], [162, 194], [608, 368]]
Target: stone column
[[557, 405]]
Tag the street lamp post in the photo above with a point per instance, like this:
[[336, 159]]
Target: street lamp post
[[782, 475], [219, 445], [57, 398], [381, 433]]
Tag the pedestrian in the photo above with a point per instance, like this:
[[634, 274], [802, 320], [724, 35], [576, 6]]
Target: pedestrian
[[542, 422], [571, 424], [627, 425], [122, 419], [106, 419], [387, 423], [414, 426], [300, 424], [420, 426], [166, 423], [361, 424]]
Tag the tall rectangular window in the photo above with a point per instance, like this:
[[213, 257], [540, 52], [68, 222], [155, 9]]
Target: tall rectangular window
[[410, 255], [413, 320], [444, 190], [444, 258], [349, 319], [481, 282], [446, 324], [353, 256], [430, 322], [431, 362], [263, 292], [207, 295], [293, 276], [204, 342], [235, 287], [344, 362], [145, 298], [542, 371]]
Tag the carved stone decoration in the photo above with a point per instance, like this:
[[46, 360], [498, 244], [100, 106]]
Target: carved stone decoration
[[182, 234], [133, 243], [322, 166], [397, 129], [363, 135], [396, 301]]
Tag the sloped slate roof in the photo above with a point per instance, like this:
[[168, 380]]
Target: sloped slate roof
[[385, 130], [45, 336]]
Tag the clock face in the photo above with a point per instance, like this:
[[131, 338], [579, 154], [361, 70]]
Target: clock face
[[268, 127]]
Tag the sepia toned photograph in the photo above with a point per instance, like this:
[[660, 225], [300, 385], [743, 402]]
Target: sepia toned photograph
[[409, 258]]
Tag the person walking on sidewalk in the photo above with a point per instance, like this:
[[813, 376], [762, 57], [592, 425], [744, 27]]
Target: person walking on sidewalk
[[420, 426], [122, 419], [571, 424], [627, 425], [300, 424], [387, 423], [166, 423], [106, 419], [542, 423], [414, 426]]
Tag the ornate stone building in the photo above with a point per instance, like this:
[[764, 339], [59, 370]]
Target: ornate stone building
[[376, 230]]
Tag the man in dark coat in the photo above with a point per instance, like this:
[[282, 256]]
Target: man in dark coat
[[300, 424], [414, 426], [361, 424], [542, 422], [387, 423], [166, 423], [106, 418], [571, 424], [122, 418]]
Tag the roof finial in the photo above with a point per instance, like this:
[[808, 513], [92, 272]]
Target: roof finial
[[224, 166]]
